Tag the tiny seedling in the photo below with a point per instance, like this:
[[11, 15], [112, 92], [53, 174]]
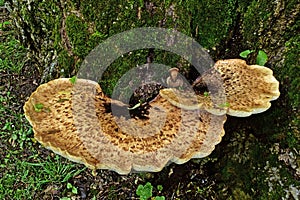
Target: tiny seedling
[[72, 188], [38, 107], [206, 94], [160, 188], [261, 58], [244, 54], [144, 191], [73, 79]]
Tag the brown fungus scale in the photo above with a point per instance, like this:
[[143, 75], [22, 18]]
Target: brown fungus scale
[[73, 121], [248, 89]]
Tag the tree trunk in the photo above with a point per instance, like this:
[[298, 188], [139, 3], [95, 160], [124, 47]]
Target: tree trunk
[[60, 34]]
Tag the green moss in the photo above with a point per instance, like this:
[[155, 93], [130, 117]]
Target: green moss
[[38, 27], [118, 68], [91, 26], [257, 14], [292, 70], [88, 23], [66, 63], [291, 76], [263, 27], [111, 16], [192, 17], [210, 23], [95, 38], [265, 23], [77, 31]]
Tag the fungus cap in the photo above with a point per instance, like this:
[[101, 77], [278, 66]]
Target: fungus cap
[[73, 121], [248, 89], [188, 100], [174, 69]]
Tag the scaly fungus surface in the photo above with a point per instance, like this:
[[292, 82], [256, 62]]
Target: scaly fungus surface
[[77, 121], [248, 89], [74, 120]]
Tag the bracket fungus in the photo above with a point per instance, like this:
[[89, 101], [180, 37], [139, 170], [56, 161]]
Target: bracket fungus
[[248, 89], [73, 121], [77, 121]]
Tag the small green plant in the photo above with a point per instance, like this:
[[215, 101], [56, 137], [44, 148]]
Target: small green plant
[[3, 24], [206, 94], [72, 188], [160, 188], [73, 79], [244, 54], [261, 58], [38, 107], [145, 192]]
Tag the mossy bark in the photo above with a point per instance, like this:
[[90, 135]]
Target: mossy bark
[[59, 34]]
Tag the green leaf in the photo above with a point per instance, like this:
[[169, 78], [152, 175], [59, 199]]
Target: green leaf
[[159, 187], [262, 58], [141, 3], [206, 94], [7, 126], [38, 107], [69, 185], [73, 79], [144, 192], [160, 198], [74, 190], [244, 54]]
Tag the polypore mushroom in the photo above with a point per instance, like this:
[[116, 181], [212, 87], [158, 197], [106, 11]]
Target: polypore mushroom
[[248, 89], [74, 120], [174, 80], [188, 100]]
